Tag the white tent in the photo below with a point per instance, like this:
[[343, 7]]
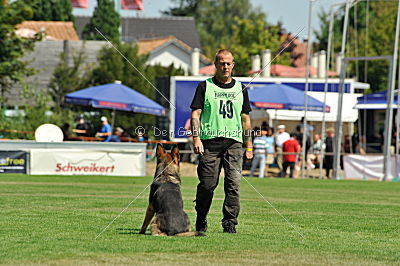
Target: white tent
[[350, 114]]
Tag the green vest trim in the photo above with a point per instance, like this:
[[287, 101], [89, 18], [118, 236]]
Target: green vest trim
[[221, 114]]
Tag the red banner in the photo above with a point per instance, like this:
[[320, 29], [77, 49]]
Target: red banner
[[79, 3], [115, 105], [132, 4], [268, 105]]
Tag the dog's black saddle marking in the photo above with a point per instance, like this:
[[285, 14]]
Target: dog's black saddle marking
[[168, 206]]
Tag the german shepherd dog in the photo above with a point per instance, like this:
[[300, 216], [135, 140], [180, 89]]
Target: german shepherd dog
[[165, 211]]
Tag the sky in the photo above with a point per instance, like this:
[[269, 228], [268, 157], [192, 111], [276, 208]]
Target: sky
[[292, 13]]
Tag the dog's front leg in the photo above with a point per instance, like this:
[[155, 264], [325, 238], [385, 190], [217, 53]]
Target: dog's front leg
[[147, 218]]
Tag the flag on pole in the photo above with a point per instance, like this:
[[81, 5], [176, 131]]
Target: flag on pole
[[79, 3], [132, 4]]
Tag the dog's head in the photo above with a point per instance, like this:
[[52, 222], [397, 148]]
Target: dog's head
[[167, 169]]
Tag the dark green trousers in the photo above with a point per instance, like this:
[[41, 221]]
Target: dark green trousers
[[218, 153]]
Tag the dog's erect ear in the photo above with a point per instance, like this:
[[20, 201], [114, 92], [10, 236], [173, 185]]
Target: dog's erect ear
[[160, 151], [175, 154]]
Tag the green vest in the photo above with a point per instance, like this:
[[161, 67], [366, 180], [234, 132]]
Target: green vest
[[221, 114]]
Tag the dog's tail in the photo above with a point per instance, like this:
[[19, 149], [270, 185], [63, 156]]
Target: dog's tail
[[196, 233]]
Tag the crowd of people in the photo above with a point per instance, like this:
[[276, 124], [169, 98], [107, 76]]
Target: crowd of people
[[285, 150], [83, 130]]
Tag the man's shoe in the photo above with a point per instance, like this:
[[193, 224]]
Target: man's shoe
[[201, 224], [229, 228]]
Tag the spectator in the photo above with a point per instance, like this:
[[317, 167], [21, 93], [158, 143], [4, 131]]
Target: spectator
[[116, 137], [140, 135], [260, 150], [106, 130], [270, 148], [314, 158], [82, 129], [308, 133], [280, 138], [65, 130], [264, 125], [291, 148], [347, 146], [362, 146], [328, 160]]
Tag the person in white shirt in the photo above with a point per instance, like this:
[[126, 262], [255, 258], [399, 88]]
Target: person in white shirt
[[280, 138]]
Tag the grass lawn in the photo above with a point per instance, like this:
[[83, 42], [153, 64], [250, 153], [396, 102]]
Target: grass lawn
[[54, 220]]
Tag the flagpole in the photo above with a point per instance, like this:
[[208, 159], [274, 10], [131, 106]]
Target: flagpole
[[305, 127], [118, 8]]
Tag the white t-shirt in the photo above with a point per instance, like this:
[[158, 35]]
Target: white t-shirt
[[281, 138]]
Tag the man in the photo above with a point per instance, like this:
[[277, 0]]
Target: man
[[260, 149], [291, 148], [106, 130], [315, 157], [281, 137], [328, 160], [308, 133], [82, 129], [270, 149], [220, 123], [116, 137]]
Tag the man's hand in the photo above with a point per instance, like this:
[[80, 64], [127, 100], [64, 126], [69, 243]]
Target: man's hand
[[249, 154], [198, 146]]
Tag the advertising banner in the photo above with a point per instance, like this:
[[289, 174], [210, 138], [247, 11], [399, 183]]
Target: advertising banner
[[87, 162], [13, 162], [368, 167]]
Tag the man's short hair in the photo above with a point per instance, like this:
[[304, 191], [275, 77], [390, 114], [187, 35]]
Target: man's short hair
[[222, 51], [330, 129]]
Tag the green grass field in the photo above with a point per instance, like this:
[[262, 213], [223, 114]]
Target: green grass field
[[54, 220]]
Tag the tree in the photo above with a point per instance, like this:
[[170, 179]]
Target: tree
[[250, 38], [184, 8], [51, 10], [67, 78], [376, 39], [12, 47], [232, 24], [214, 19], [112, 67], [106, 20]]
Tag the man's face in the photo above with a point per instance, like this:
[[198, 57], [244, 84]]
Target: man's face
[[224, 66]]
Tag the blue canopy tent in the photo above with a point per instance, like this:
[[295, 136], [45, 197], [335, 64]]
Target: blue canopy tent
[[279, 96], [115, 96], [375, 101]]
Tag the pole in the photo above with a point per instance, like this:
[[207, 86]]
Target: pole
[[113, 118], [397, 123], [390, 96], [338, 128], [328, 60], [304, 151]]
